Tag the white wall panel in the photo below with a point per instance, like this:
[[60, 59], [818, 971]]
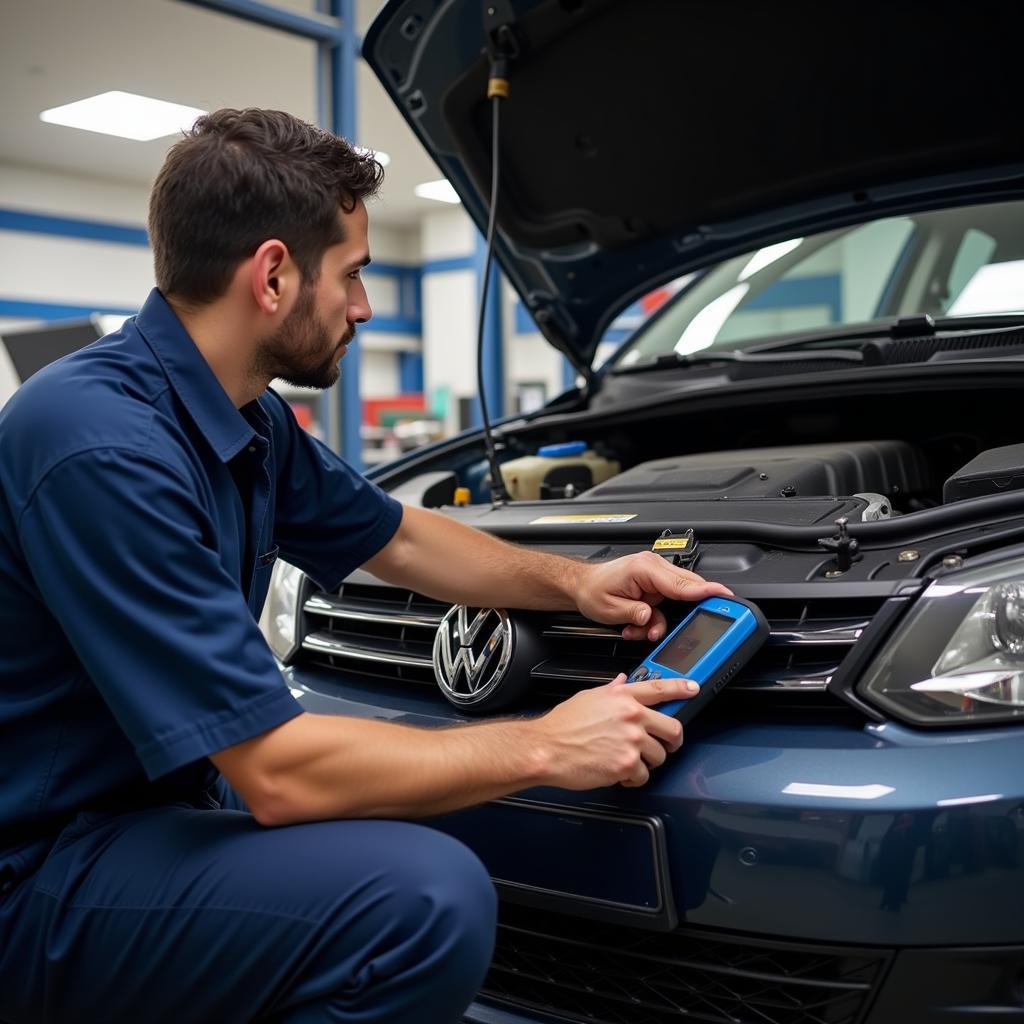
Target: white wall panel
[[449, 337], [447, 233], [32, 188], [378, 376], [45, 268], [390, 244]]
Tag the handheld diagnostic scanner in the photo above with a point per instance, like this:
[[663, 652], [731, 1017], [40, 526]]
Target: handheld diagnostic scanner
[[709, 646]]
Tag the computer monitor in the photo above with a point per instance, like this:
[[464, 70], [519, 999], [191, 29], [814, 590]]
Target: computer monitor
[[31, 350]]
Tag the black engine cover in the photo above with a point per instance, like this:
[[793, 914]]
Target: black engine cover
[[818, 470]]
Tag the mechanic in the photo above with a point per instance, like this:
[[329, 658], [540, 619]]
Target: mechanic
[[179, 840]]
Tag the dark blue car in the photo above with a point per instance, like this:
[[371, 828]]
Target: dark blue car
[[830, 399]]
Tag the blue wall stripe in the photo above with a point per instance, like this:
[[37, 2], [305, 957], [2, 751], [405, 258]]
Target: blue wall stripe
[[451, 263], [393, 325], [398, 269], [32, 310], [72, 227]]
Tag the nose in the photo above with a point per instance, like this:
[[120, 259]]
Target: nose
[[358, 304]]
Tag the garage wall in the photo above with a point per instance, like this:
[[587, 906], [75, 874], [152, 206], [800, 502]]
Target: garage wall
[[74, 245], [46, 274]]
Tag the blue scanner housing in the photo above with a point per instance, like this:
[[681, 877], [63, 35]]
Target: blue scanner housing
[[709, 646]]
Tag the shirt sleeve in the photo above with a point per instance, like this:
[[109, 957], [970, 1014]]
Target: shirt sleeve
[[329, 519], [125, 557]]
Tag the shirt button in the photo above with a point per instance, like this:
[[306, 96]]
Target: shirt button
[[252, 448]]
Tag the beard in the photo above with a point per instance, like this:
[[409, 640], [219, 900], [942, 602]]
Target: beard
[[302, 351]]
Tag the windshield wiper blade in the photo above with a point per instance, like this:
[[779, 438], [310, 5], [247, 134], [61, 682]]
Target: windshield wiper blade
[[921, 326], [849, 343], [673, 360]]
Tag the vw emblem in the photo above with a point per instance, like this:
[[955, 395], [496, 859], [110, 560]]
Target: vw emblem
[[472, 651]]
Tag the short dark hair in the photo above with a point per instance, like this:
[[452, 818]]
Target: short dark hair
[[239, 177]]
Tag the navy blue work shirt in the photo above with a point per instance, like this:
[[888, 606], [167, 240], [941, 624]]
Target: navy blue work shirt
[[140, 516]]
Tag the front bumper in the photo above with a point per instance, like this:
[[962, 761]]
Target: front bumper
[[877, 836], [881, 864]]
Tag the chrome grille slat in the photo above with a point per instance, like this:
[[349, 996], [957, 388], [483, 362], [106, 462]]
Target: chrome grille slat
[[326, 642], [338, 608], [839, 634], [590, 671]]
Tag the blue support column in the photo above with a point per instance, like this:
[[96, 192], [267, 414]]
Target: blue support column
[[337, 54], [343, 57], [410, 373], [494, 349]]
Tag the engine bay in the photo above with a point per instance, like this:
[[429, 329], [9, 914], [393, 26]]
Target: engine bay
[[901, 443]]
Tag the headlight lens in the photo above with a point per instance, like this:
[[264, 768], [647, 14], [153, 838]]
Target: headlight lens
[[280, 613], [958, 658]]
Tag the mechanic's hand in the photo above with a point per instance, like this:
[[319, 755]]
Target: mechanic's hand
[[630, 589], [609, 734]]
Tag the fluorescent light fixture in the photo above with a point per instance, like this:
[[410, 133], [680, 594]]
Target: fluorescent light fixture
[[869, 792], [125, 115], [378, 154], [441, 190], [767, 256]]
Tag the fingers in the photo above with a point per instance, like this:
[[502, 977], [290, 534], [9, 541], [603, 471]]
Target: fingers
[[654, 630], [650, 735], [679, 584], [657, 691], [668, 731]]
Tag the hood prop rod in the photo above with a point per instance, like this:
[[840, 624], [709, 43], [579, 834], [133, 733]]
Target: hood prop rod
[[502, 47]]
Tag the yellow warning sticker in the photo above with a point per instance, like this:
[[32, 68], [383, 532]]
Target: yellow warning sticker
[[582, 519], [671, 543]]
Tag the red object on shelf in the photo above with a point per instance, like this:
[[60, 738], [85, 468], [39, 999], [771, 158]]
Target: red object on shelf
[[652, 300], [373, 408]]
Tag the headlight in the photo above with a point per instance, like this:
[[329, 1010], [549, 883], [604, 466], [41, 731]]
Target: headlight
[[280, 613], [958, 658]]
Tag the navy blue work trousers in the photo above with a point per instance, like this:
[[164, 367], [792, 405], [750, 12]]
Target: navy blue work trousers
[[201, 916]]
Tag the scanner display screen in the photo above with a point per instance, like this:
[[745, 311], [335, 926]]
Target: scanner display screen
[[689, 645]]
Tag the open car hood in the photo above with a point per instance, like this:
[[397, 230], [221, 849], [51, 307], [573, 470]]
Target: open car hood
[[642, 139]]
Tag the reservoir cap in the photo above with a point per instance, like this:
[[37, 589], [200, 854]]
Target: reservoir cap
[[557, 451]]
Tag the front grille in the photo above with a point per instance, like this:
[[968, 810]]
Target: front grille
[[373, 631], [381, 632], [609, 974]]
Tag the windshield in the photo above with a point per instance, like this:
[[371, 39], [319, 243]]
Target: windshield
[[946, 263]]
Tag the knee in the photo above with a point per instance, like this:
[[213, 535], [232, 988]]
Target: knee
[[415, 938], [453, 898]]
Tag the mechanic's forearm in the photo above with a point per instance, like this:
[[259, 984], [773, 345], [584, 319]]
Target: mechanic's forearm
[[318, 767], [438, 556]]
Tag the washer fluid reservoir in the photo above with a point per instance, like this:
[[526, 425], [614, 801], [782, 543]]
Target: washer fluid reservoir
[[556, 471]]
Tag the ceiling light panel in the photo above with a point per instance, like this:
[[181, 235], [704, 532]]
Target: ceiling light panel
[[125, 115], [441, 191]]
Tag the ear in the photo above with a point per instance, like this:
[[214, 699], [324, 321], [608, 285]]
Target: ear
[[272, 275]]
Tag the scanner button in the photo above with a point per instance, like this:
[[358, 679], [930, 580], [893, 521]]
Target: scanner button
[[654, 675], [639, 675]]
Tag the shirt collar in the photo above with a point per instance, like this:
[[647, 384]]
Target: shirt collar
[[188, 372]]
